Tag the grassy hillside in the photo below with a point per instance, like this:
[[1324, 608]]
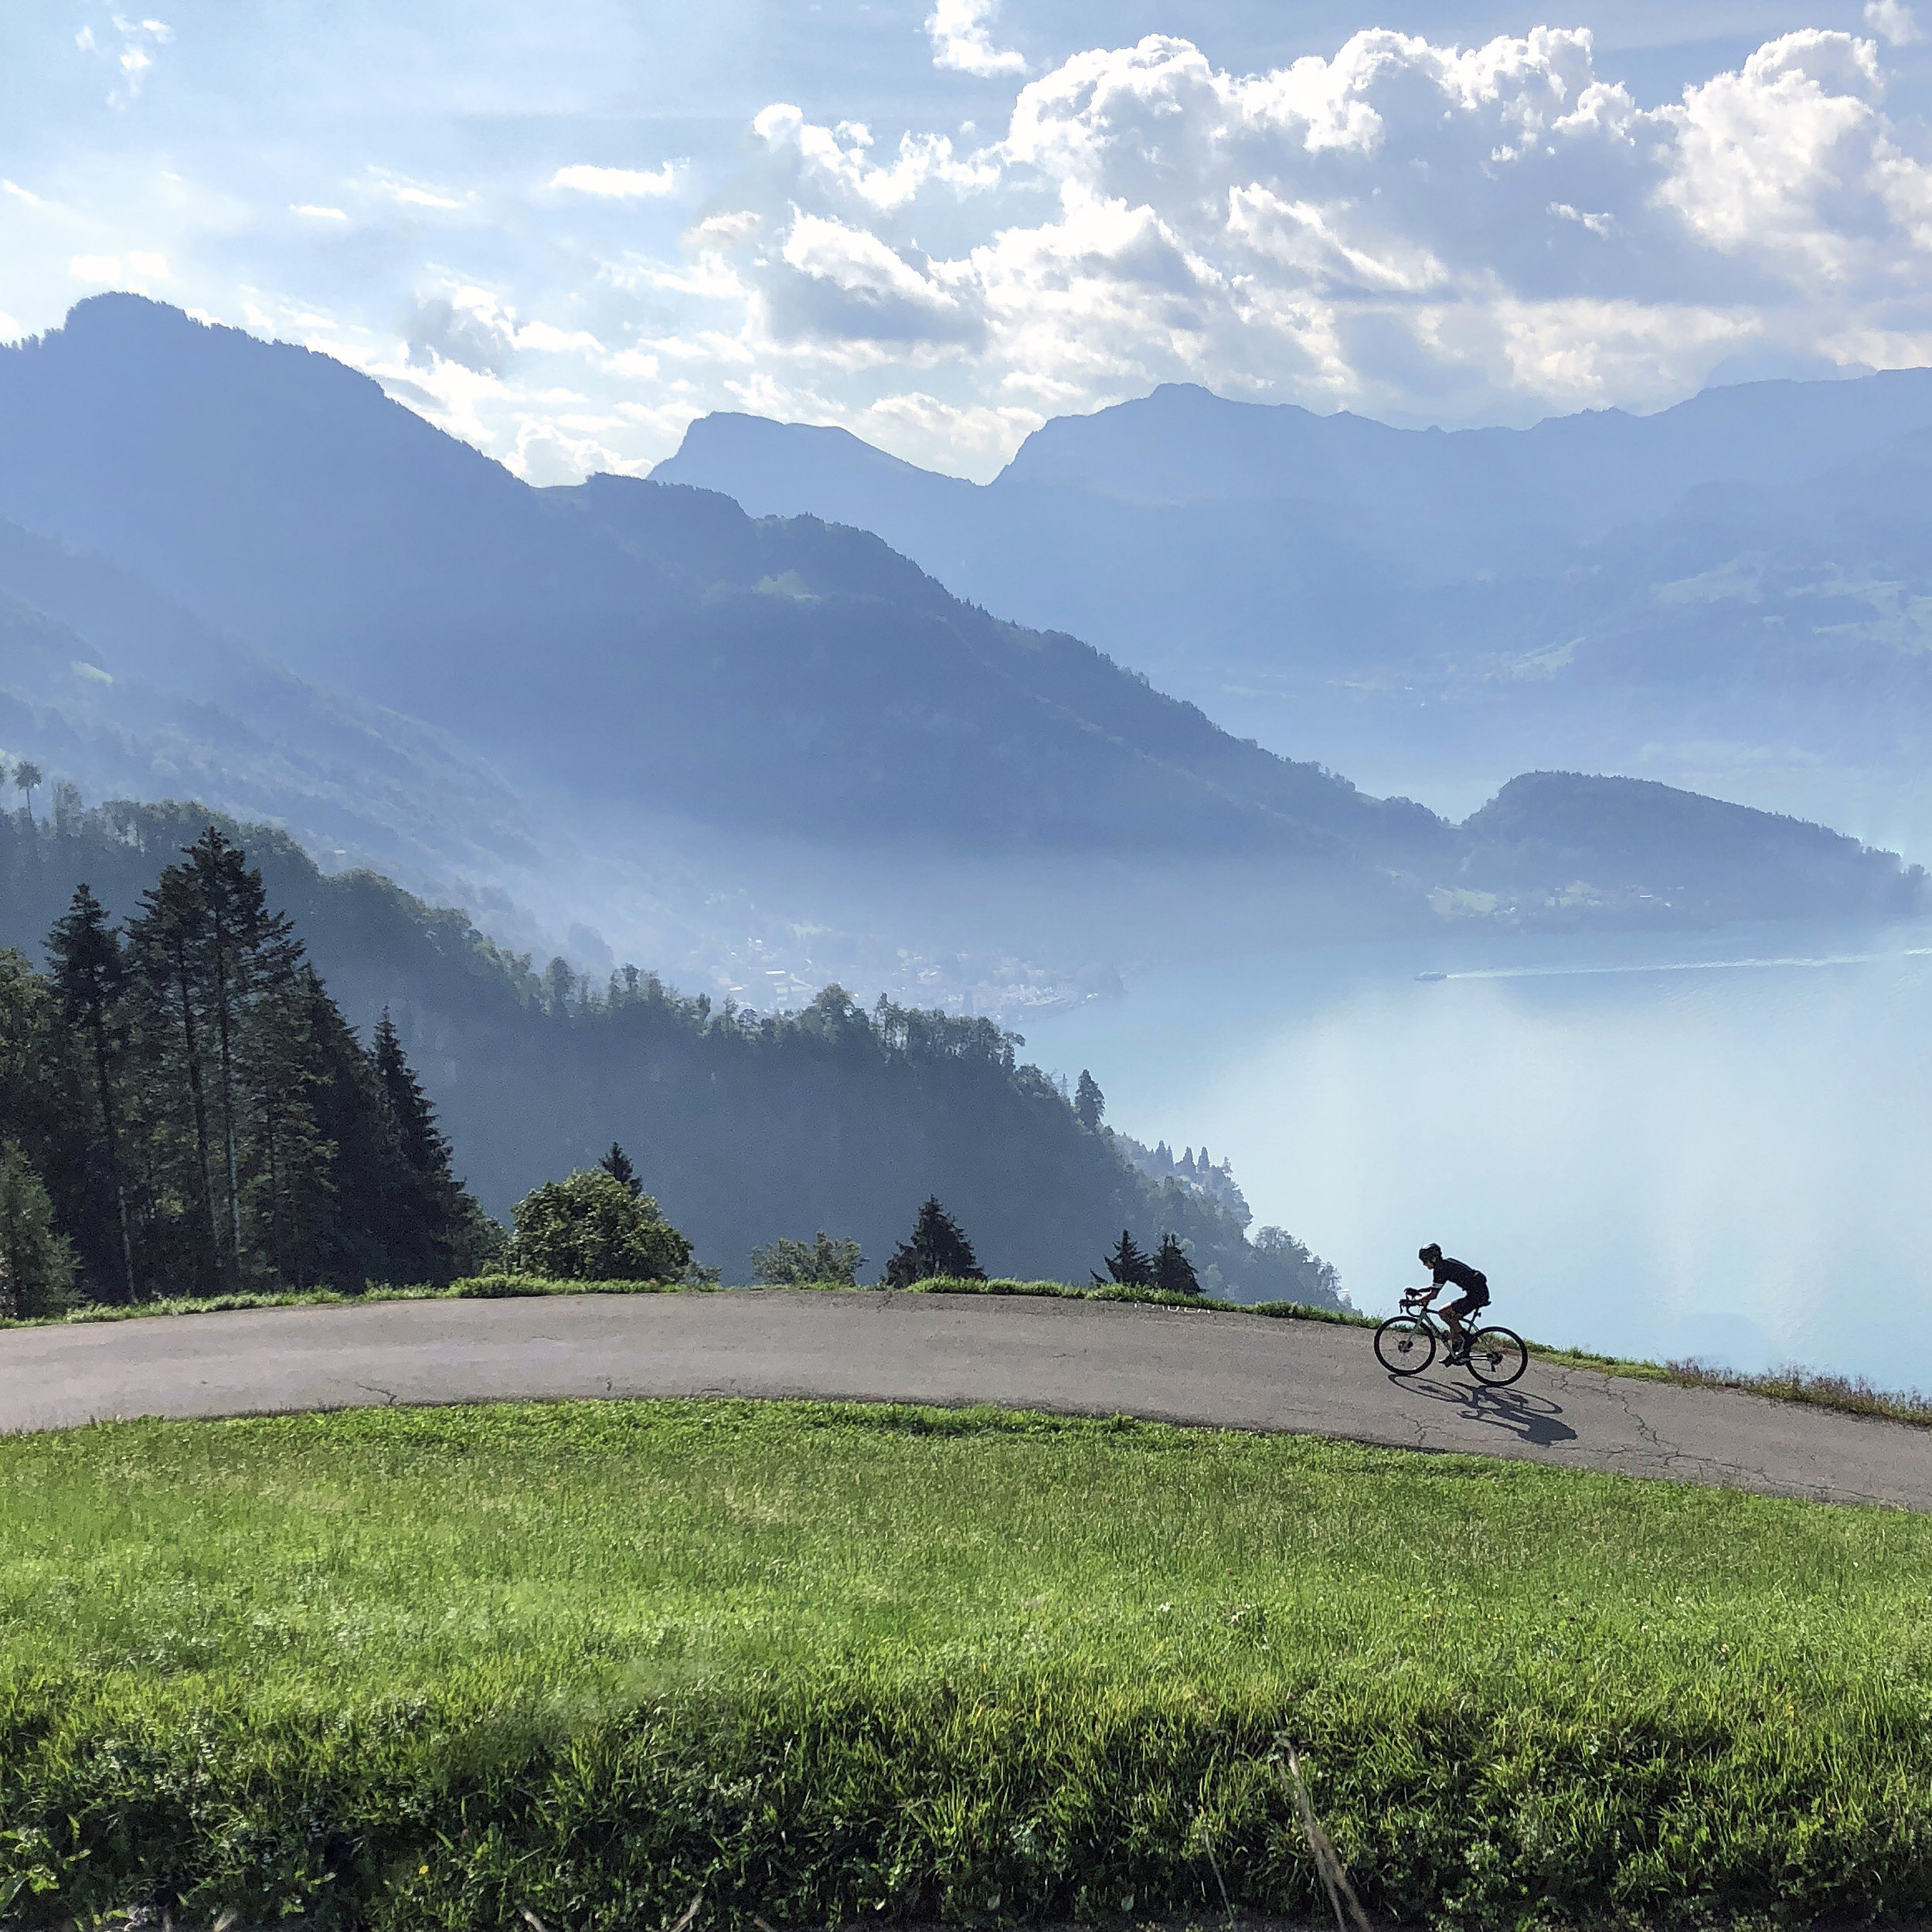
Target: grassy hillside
[[745, 1128], [445, 1667]]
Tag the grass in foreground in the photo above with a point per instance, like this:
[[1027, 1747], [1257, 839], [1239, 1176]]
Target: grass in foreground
[[438, 1667]]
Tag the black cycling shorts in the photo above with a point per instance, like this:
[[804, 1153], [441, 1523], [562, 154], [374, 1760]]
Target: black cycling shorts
[[1471, 1301]]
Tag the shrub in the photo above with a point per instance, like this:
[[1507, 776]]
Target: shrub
[[784, 1264], [594, 1227]]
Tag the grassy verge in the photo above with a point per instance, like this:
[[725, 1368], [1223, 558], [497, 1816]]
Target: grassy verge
[[508, 1286], [819, 1664], [1852, 1395]]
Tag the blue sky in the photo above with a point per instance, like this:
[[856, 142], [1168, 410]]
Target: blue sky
[[563, 230]]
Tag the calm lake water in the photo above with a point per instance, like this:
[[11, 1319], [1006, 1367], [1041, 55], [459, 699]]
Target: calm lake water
[[1664, 1147]]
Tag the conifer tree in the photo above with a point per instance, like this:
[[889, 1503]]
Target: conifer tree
[[288, 1160], [616, 1164], [168, 942], [1128, 1264], [407, 1108], [89, 974], [937, 1247], [432, 1216], [1173, 1269], [1089, 1104]]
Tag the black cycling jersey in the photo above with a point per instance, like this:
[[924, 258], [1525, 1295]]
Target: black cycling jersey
[[1471, 1281]]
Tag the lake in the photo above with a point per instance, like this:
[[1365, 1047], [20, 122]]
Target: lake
[[1717, 1146]]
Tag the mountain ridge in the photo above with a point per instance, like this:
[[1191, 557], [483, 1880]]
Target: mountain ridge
[[1437, 609], [644, 663]]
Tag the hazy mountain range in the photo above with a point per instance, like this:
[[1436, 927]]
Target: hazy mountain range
[[1734, 593], [771, 750]]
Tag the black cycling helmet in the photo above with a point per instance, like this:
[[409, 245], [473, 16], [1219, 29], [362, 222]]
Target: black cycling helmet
[[1432, 1253]]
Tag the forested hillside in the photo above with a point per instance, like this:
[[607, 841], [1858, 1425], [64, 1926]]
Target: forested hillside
[[182, 1093], [745, 1127]]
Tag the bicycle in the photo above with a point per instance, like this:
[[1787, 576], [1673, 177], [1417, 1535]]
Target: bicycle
[[1405, 1343]]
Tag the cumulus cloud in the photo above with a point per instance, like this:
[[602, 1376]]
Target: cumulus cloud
[[1423, 232], [470, 329], [1893, 21], [961, 31], [617, 184], [1420, 232]]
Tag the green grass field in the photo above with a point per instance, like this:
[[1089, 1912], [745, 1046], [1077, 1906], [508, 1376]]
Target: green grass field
[[824, 1664]]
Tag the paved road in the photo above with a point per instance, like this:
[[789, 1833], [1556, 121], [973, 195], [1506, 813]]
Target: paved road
[[1243, 1372]]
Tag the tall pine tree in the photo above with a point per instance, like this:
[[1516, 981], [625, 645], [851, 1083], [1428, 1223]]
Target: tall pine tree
[[90, 974], [1128, 1263], [1173, 1269], [937, 1247], [434, 1219]]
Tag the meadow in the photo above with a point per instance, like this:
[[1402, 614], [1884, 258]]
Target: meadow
[[818, 1664]]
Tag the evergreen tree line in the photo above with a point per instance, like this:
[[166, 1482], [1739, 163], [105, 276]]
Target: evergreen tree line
[[201, 1118], [836, 1115]]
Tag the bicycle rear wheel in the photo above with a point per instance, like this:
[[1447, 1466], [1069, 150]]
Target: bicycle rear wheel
[[1405, 1345], [1497, 1356]]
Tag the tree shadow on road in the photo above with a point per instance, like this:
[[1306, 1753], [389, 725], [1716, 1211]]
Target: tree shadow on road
[[1530, 1418]]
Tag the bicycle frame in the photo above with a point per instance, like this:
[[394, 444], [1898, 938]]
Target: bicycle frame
[[1504, 1346]]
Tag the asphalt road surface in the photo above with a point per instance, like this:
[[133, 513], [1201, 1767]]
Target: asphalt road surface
[[1082, 1358]]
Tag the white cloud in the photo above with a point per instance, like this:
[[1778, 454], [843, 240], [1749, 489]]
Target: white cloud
[[1417, 231], [841, 158], [473, 329], [961, 31], [413, 194], [129, 47], [618, 184], [1893, 21], [139, 270], [20, 194], [1428, 232]]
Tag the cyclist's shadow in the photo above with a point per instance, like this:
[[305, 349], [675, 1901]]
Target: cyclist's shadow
[[1532, 1418]]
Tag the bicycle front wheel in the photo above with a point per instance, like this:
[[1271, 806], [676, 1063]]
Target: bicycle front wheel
[[1497, 1356], [1405, 1345]]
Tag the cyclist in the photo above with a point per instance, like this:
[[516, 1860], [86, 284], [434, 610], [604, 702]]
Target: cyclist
[[1446, 1273]]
